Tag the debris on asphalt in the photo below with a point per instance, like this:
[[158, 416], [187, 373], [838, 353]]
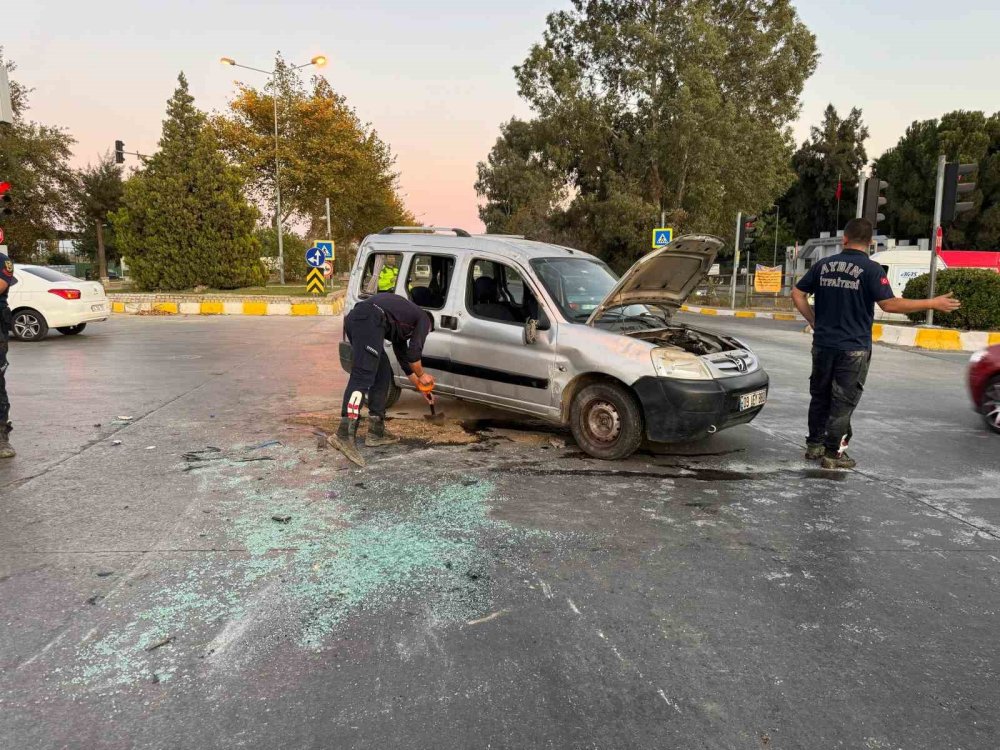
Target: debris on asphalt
[[160, 643], [116, 442], [151, 447], [105, 573], [124, 419], [268, 444], [280, 518], [488, 618], [251, 460], [95, 599]]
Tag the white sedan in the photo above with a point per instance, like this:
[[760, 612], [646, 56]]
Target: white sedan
[[44, 298]]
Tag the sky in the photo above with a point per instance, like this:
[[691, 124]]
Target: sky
[[435, 78]]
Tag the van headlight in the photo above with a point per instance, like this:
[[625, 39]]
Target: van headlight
[[977, 357], [671, 363]]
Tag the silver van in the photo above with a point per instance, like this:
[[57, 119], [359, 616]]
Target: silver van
[[552, 332]]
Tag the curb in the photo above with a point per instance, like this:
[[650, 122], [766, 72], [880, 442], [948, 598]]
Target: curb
[[236, 306], [726, 312], [932, 339]]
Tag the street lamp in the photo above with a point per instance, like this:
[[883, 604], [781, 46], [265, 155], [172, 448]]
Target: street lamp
[[319, 61]]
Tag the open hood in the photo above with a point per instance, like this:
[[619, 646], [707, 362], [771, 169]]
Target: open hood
[[664, 277]]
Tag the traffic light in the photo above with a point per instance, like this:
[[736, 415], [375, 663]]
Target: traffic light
[[874, 200], [748, 232], [954, 188], [119, 152], [5, 200]]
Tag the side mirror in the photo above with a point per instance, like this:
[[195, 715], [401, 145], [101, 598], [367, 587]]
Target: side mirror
[[530, 331]]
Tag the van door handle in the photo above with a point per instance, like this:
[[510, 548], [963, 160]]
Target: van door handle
[[450, 322]]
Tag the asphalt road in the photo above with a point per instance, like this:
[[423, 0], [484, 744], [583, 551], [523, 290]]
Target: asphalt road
[[199, 586]]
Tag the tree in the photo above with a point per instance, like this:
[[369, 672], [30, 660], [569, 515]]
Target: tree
[[834, 152], [34, 158], [646, 106], [99, 193], [910, 168], [325, 151], [184, 221]]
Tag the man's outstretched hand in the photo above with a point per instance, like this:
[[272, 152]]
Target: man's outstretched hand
[[946, 303]]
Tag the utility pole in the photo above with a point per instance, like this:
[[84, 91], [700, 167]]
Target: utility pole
[[736, 259], [329, 231], [777, 216], [861, 195], [277, 192], [102, 258], [936, 233]]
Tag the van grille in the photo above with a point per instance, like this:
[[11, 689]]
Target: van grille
[[732, 364]]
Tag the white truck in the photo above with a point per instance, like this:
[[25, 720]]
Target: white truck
[[901, 265]]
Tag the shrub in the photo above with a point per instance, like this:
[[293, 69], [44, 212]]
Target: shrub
[[978, 290]]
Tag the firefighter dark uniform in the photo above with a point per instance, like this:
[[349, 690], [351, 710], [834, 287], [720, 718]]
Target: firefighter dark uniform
[[7, 280], [373, 321]]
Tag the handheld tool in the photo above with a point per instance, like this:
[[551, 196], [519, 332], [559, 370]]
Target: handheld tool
[[434, 417]]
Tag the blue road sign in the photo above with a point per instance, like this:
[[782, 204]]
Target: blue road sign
[[326, 247], [315, 257], [662, 236]]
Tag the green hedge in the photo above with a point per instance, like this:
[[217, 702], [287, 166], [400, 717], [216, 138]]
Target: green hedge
[[976, 288]]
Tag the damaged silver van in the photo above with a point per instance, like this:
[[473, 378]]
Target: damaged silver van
[[552, 332]]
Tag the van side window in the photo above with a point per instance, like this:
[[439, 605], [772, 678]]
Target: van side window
[[496, 291], [381, 273], [429, 279]]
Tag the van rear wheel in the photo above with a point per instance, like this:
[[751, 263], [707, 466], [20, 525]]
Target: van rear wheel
[[393, 395], [606, 421]]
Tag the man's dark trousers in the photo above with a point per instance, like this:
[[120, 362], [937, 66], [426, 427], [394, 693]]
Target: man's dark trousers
[[836, 384], [371, 372], [4, 402]]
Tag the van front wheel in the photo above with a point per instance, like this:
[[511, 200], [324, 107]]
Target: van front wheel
[[606, 421]]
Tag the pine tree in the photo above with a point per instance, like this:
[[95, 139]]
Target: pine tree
[[184, 221]]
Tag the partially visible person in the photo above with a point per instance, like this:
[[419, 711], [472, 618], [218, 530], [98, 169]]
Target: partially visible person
[[388, 275], [7, 280], [847, 286], [373, 321]]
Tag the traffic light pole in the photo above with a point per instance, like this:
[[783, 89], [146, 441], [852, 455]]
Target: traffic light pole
[[736, 260], [861, 195], [938, 198]]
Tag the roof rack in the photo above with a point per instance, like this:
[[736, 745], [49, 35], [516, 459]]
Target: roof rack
[[425, 230], [505, 236]]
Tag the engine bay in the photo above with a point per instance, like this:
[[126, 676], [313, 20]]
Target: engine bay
[[688, 339]]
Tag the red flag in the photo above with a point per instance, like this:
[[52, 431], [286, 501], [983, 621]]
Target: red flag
[[840, 189]]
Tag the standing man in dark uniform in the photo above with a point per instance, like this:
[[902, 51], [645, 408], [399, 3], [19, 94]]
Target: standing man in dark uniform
[[7, 280], [379, 318], [846, 286]]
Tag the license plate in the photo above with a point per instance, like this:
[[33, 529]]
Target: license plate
[[751, 400], [97, 308]]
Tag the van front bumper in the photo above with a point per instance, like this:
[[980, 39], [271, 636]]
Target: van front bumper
[[677, 410]]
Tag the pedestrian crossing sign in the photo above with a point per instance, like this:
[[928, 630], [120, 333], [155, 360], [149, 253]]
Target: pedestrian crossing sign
[[662, 237]]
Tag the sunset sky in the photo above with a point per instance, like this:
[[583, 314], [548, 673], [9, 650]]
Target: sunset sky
[[435, 78]]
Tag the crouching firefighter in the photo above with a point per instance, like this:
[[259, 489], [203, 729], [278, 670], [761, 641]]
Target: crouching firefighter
[[7, 280], [382, 317]]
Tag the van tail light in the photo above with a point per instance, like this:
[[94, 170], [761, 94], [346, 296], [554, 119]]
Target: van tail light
[[66, 293]]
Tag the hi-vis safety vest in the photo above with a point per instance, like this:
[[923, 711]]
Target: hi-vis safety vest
[[387, 278]]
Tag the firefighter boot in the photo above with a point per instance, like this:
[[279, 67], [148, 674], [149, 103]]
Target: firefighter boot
[[377, 435], [343, 440], [6, 451]]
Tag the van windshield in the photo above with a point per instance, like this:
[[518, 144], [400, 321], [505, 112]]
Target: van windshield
[[579, 285]]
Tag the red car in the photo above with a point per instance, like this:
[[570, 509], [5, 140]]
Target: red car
[[984, 384]]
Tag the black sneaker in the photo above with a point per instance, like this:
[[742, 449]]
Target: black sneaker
[[815, 451], [843, 461]]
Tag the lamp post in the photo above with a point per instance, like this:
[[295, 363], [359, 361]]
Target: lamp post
[[319, 61]]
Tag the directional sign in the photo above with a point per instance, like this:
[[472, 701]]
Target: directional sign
[[315, 257], [328, 269], [662, 237], [314, 281]]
